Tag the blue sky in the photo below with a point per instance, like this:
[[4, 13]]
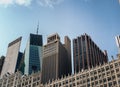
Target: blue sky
[[98, 18]]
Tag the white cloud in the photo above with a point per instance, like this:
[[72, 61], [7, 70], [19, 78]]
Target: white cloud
[[6, 2], [18, 2], [119, 1], [23, 2], [45, 3], [49, 3]]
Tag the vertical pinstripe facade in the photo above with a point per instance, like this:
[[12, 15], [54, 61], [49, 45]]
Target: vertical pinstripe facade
[[55, 59], [86, 53], [117, 38]]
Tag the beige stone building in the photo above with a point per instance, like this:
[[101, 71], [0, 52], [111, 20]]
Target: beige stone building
[[19, 80], [56, 58], [106, 75]]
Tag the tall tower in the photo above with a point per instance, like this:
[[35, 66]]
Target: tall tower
[[13, 57], [33, 54], [117, 38], [86, 53], [56, 58], [67, 45]]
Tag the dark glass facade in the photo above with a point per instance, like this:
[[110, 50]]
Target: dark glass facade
[[33, 54], [87, 54], [2, 58], [20, 54], [36, 40]]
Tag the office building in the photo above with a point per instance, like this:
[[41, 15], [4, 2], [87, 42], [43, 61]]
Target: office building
[[2, 58], [13, 57], [56, 58], [86, 53], [33, 54], [117, 38], [106, 75], [19, 80]]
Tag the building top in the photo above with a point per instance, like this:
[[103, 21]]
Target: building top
[[53, 37], [36, 39], [15, 41], [117, 38]]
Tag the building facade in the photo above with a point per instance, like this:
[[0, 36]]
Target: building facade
[[86, 53], [56, 58], [106, 75], [33, 54], [13, 57], [117, 38], [19, 80]]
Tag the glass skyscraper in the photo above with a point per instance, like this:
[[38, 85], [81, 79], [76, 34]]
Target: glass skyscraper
[[33, 54]]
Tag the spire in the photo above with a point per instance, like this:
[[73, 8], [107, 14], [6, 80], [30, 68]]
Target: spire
[[37, 28]]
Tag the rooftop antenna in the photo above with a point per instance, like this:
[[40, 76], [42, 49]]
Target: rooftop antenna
[[37, 28]]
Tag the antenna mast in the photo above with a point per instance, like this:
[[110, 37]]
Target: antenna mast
[[37, 28]]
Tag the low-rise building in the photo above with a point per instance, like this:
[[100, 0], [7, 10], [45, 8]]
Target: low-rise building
[[106, 75], [19, 80]]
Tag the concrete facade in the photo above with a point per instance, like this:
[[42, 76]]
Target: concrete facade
[[19, 80], [106, 75], [56, 58], [12, 56]]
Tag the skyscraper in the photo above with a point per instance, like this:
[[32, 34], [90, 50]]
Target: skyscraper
[[56, 58], [117, 38], [33, 54], [13, 57], [86, 53]]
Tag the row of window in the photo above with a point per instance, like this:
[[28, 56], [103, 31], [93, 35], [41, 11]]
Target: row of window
[[103, 75]]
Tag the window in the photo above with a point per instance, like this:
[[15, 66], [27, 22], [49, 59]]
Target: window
[[118, 75], [117, 70], [109, 78], [112, 72], [102, 69], [95, 72], [107, 68], [113, 77], [114, 83], [116, 65], [99, 71], [111, 66], [104, 80], [105, 85], [100, 81], [96, 82], [110, 84], [95, 77], [108, 73], [91, 78]]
